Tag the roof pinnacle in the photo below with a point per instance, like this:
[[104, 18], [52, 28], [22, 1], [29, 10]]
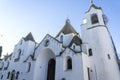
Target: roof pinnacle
[[91, 2], [68, 20]]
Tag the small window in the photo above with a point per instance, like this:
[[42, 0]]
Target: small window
[[61, 38], [47, 42], [73, 46], [90, 52], [109, 56], [8, 75], [94, 18], [17, 74], [28, 66], [69, 63]]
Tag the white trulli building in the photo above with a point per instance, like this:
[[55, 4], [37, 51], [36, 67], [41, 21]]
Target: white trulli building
[[68, 56]]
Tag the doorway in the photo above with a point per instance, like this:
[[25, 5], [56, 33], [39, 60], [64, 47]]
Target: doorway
[[51, 70]]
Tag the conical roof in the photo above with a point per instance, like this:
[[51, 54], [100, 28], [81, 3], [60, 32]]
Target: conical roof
[[29, 37], [67, 28]]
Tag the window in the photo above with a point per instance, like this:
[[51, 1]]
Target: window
[[69, 63], [73, 46], [12, 77], [17, 74], [47, 42], [28, 65], [90, 52], [8, 75], [94, 18], [109, 56], [61, 38]]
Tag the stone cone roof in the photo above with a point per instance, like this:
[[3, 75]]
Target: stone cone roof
[[67, 28], [29, 37]]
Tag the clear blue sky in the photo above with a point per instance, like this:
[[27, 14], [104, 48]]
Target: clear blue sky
[[19, 17]]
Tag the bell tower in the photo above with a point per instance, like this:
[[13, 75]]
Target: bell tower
[[95, 34], [94, 17]]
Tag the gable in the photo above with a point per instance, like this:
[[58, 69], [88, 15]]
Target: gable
[[51, 43]]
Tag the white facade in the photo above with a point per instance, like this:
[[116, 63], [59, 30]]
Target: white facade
[[66, 56]]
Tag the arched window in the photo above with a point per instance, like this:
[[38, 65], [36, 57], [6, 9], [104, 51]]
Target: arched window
[[8, 75], [69, 63], [61, 38], [94, 18], [90, 52], [17, 74]]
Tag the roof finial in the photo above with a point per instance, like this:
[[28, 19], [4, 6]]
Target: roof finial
[[91, 2], [68, 20]]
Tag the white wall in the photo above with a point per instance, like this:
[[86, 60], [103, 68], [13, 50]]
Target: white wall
[[66, 38], [99, 41], [77, 70]]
